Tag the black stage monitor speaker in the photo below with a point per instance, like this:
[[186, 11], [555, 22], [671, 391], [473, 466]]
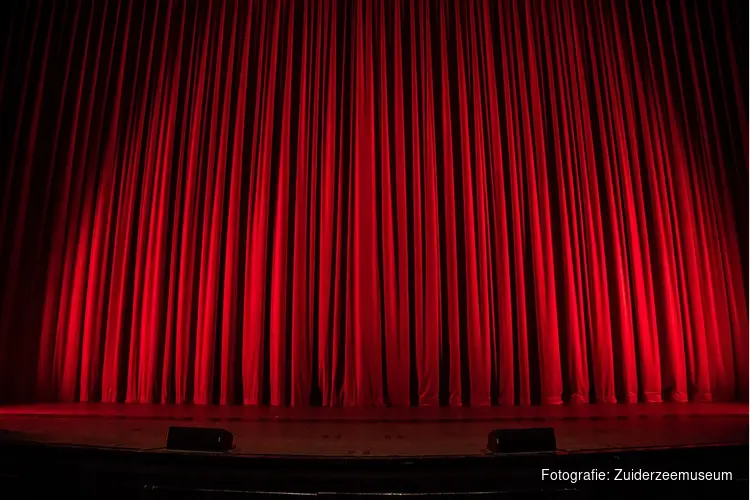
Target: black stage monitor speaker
[[540, 439], [199, 439]]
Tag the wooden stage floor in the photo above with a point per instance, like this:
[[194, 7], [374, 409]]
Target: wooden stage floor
[[379, 432]]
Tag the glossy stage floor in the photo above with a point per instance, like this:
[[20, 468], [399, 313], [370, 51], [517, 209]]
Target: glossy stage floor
[[379, 432]]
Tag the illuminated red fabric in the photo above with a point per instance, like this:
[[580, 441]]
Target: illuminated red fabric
[[373, 202]]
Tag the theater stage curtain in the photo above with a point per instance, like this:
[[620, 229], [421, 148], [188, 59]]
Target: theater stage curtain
[[373, 202]]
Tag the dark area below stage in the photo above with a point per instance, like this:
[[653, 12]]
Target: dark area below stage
[[30, 470]]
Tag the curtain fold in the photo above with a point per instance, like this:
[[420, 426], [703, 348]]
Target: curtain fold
[[373, 202]]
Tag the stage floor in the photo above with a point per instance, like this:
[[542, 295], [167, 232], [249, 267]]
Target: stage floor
[[380, 432]]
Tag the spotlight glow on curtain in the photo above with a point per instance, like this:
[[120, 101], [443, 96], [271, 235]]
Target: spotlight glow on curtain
[[372, 202]]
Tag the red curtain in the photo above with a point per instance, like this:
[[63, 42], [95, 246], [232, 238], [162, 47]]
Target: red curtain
[[373, 202]]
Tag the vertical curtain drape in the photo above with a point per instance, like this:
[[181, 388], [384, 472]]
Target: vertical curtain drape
[[373, 202]]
